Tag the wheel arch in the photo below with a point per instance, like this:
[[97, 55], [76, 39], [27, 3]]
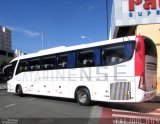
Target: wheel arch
[[80, 87], [17, 86]]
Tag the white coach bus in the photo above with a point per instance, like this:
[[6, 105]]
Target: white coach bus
[[118, 70]]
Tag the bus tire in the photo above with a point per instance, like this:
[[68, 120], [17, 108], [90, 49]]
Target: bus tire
[[19, 90], [83, 97]]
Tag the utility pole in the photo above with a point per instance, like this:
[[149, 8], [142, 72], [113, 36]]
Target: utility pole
[[42, 36]]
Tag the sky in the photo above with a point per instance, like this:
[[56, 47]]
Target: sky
[[63, 21]]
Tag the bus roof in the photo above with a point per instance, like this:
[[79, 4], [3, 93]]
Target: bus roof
[[72, 48]]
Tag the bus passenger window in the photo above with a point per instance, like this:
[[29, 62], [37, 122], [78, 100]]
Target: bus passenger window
[[48, 63], [113, 55], [34, 65], [86, 59], [117, 53], [62, 61]]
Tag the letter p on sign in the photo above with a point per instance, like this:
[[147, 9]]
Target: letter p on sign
[[132, 4]]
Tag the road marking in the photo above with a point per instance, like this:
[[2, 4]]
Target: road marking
[[31, 99], [130, 116], [130, 113], [116, 116], [124, 111], [7, 106], [126, 120], [117, 110], [153, 113], [2, 93]]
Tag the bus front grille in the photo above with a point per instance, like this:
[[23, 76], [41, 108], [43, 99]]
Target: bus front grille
[[120, 91]]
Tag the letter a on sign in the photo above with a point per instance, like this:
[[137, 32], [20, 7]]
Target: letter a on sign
[[132, 3], [149, 4]]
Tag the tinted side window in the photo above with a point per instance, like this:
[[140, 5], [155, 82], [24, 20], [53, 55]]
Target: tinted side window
[[8, 72], [34, 64], [86, 58], [62, 61], [22, 67], [117, 53], [48, 63], [11, 71]]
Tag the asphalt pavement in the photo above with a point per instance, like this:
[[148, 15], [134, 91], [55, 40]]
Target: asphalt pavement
[[49, 110], [39, 109]]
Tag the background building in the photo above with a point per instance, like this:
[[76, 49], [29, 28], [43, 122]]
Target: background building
[[5, 39], [137, 17], [6, 52], [18, 53]]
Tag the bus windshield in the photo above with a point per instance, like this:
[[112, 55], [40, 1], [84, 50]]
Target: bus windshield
[[8, 71]]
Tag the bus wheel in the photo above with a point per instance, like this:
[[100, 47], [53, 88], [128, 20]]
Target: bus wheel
[[83, 96], [19, 90]]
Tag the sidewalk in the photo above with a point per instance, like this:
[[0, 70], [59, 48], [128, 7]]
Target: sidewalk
[[3, 86]]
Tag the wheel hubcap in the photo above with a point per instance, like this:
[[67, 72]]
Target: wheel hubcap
[[18, 90], [82, 97]]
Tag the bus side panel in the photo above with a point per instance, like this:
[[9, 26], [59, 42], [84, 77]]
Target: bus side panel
[[123, 87], [141, 95], [115, 83], [79, 77]]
